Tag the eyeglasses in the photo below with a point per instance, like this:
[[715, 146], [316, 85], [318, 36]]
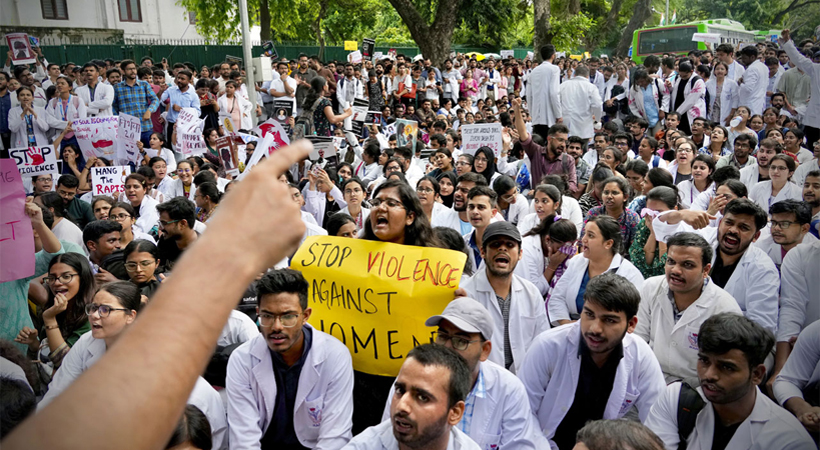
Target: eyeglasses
[[103, 310], [389, 202], [783, 224], [684, 150], [132, 266], [287, 320], [481, 160], [424, 190], [165, 224], [352, 191], [64, 278], [779, 168], [463, 163], [119, 216], [459, 343], [184, 170], [510, 197]]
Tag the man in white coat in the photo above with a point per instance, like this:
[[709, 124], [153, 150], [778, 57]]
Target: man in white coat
[[426, 407], [496, 412], [811, 118], [674, 305], [291, 385], [515, 304], [543, 93], [796, 386], [735, 415], [592, 369], [754, 82], [97, 96], [789, 227], [348, 89], [581, 103]]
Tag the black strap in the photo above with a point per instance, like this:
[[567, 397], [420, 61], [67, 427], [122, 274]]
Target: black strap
[[689, 405]]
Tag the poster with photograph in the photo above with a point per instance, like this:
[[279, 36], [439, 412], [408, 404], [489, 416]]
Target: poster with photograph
[[227, 155], [20, 48], [282, 111], [323, 147], [406, 133], [368, 47]]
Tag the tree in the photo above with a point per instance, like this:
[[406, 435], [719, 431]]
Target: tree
[[541, 36], [641, 12], [433, 38]]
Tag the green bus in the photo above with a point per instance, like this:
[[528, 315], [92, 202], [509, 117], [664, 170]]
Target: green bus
[[677, 39]]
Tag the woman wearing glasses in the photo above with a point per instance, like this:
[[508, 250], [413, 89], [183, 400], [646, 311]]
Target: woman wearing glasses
[[681, 167], [141, 262], [427, 190], [124, 214], [354, 191], [484, 164], [71, 286], [777, 187], [110, 312], [183, 186]]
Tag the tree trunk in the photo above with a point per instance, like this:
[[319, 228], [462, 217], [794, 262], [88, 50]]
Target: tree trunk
[[792, 6], [541, 32], [434, 39], [264, 20], [609, 23], [641, 12], [317, 28]]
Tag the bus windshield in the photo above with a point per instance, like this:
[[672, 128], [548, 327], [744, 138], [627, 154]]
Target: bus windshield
[[668, 40]]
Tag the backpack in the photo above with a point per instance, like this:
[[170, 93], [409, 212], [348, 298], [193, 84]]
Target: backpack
[[304, 125], [217, 369], [689, 405]]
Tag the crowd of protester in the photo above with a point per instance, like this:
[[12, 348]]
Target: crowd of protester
[[641, 254]]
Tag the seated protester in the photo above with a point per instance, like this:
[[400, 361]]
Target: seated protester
[[496, 414], [110, 312], [162, 181], [636, 171], [176, 222], [570, 208], [654, 177], [614, 194], [481, 208], [71, 286], [731, 350], [484, 164], [583, 170], [77, 210], [184, 185], [452, 240], [753, 174], [592, 198], [102, 239], [123, 214], [39, 183], [718, 144], [701, 181], [613, 158], [790, 221], [145, 207], [101, 205], [647, 254], [368, 168], [546, 202], [354, 192], [207, 199], [546, 251], [601, 253], [271, 376], [621, 433], [447, 183], [427, 405], [743, 270], [681, 167], [803, 170], [700, 133], [811, 195], [514, 303], [743, 145], [793, 139], [193, 431], [17, 400], [221, 182], [719, 177], [62, 227], [796, 386], [779, 186], [141, 263], [593, 369], [392, 165], [428, 190], [600, 141], [157, 148], [343, 225], [442, 158], [512, 205]]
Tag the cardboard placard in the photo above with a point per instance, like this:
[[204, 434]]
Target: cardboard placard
[[282, 111], [368, 47], [322, 147], [129, 129], [16, 235], [192, 144], [188, 121], [480, 135], [507, 54], [35, 161], [377, 56], [355, 57], [96, 136], [406, 133], [21, 52], [351, 45], [227, 154], [109, 180]]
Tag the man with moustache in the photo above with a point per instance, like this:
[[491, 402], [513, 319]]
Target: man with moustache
[[789, 226], [464, 184], [755, 173], [594, 368]]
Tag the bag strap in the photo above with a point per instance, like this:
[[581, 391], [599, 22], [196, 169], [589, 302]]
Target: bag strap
[[690, 403]]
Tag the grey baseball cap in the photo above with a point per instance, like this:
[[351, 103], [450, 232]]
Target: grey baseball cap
[[468, 315], [501, 228]]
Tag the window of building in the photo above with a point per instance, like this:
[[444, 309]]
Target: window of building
[[191, 18], [129, 10], [54, 9]]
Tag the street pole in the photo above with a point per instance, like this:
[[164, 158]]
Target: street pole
[[665, 20], [246, 54]]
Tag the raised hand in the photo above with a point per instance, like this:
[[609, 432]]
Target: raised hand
[[60, 305], [35, 154]]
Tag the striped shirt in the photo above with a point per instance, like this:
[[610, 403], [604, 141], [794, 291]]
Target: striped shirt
[[135, 100], [478, 391], [504, 304]]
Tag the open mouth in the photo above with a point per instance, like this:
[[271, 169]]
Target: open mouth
[[277, 339], [676, 281], [594, 341], [382, 222], [60, 290], [502, 261], [731, 241], [96, 326], [402, 425]]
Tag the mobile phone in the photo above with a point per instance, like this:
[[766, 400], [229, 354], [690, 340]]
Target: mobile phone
[[315, 170]]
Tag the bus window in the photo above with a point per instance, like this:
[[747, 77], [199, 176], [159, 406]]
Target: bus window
[[671, 40]]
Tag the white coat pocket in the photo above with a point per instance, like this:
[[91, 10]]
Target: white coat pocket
[[490, 441], [692, 338], [628, 403]]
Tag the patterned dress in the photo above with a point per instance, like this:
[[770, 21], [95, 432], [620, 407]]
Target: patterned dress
[[629, 226]]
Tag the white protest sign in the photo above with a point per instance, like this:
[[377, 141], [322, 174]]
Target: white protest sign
[[355, 57], [129, 129], [192, 144], [109, 180], [377, 56], [390, 130], [507, 54], [481, 135], [34, 161], [711, 38], [530, 55], [257, 155], [96, 136], [277, 133], [322, 147], [188, 120]]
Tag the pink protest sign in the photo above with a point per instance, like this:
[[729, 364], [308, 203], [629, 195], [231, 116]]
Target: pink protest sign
[[16, 236]]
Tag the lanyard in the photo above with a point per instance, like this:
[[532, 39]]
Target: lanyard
[[64, 106], [91, 91]]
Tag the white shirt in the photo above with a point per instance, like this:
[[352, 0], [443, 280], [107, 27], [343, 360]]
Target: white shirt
[[799, 287], [802, 368], [774, 250], [689, 192], [279, 86], [380, 437], [167, 155], [729, 97], [149, 216], [17, 126], [752, 92], [761, 193], [66, 230], [528, 318], [812, 115], [580, 101], [767, 427], [516, 211], [675, 344], [239, 328], [100, 106], [543, 94], [551, 370], [445, 217]]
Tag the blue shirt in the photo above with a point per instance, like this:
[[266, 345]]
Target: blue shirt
[[476, 251], [579, 299], [5, 107], [478, 391], [187, 99], [649, 105], [466, 227]]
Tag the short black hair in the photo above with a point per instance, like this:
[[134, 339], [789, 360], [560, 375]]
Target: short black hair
[[179, 208], [801, 210], [743, 137], [744, 206], [618, 434], [54, 201], [689, 239], [68, 180], [478, 191], [336, 221], [193, 427], [439, 355], [614, 293], [99, 228], [19, 402], [283, 280], [728, 331], [473, 177], [126, 292], [638, 166], [724, 173]]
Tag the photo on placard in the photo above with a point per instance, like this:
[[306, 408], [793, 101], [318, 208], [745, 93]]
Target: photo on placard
[[283, 110]]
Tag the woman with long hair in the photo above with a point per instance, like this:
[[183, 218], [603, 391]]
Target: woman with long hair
[[28, 123], [141, 263], [681, 167], [646, 252], [73, 161], [234, 107], [183, 186], [702, 168], [592, 197], [210, 135], [545, 252], [323, 117], [354, 192], [546, 202], [614, 194], [125, 215], [207, 199], [136, 189], [718, 144], [447, 188], [777, 187], [64, 108], [156, 147], [397, 216], [793, 141]]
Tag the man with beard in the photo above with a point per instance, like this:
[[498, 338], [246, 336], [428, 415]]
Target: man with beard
[[583, 170], [291, 386], [743, 270], [176, 222], [755, 173], [135, 97], [743, 146], [495, 410], [811, 195], [789, 227], [674, 305], [594, 368], [515, 304], [736, 415], [550, 159], [464, 184], [78, 211], [303, 74], [426, 407], [182, 95]]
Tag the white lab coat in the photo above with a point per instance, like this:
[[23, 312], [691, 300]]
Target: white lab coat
[[636, 100], [239, 328], [755, 282], [445, 217], [689, 192], [562, 300], [729, 97], [316, 201], [323, 412], [676, 344], [543, 94], [85, 353], [694, 103], [517, 210], [552, 366], [570, 210], [773, 249], [527, 316], [761, 193], [599, 82], [531, 265], [580, 101], [177, 189], [103, 99], [812, 115], [17, 126], [736, 71], [502, 417], [380, 437], [749, 176], [149, 217], [39, 97], [802, 369], [752, 92], [798, 294], [767, 427], [244, 108], [76, 110]]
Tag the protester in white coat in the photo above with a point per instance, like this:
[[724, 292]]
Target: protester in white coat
[[729, 91], [581, 103], [752, 92], [25, 118], [543, 92], [97, 96], [523, 317], [694, 94], [802, 370], [643, 84], [260, 379]]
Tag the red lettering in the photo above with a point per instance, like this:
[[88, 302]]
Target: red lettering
[[13, 237], [399, 277], [372, 260]]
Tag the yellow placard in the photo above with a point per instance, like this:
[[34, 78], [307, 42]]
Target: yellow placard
[[375, 296], [576, 57], [351, 45], [587, 55]]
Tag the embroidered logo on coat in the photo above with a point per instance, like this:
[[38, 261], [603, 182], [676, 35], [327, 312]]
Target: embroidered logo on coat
[[315, 416], [693, 340]]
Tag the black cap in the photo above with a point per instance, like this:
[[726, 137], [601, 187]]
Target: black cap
[[501, 228]]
